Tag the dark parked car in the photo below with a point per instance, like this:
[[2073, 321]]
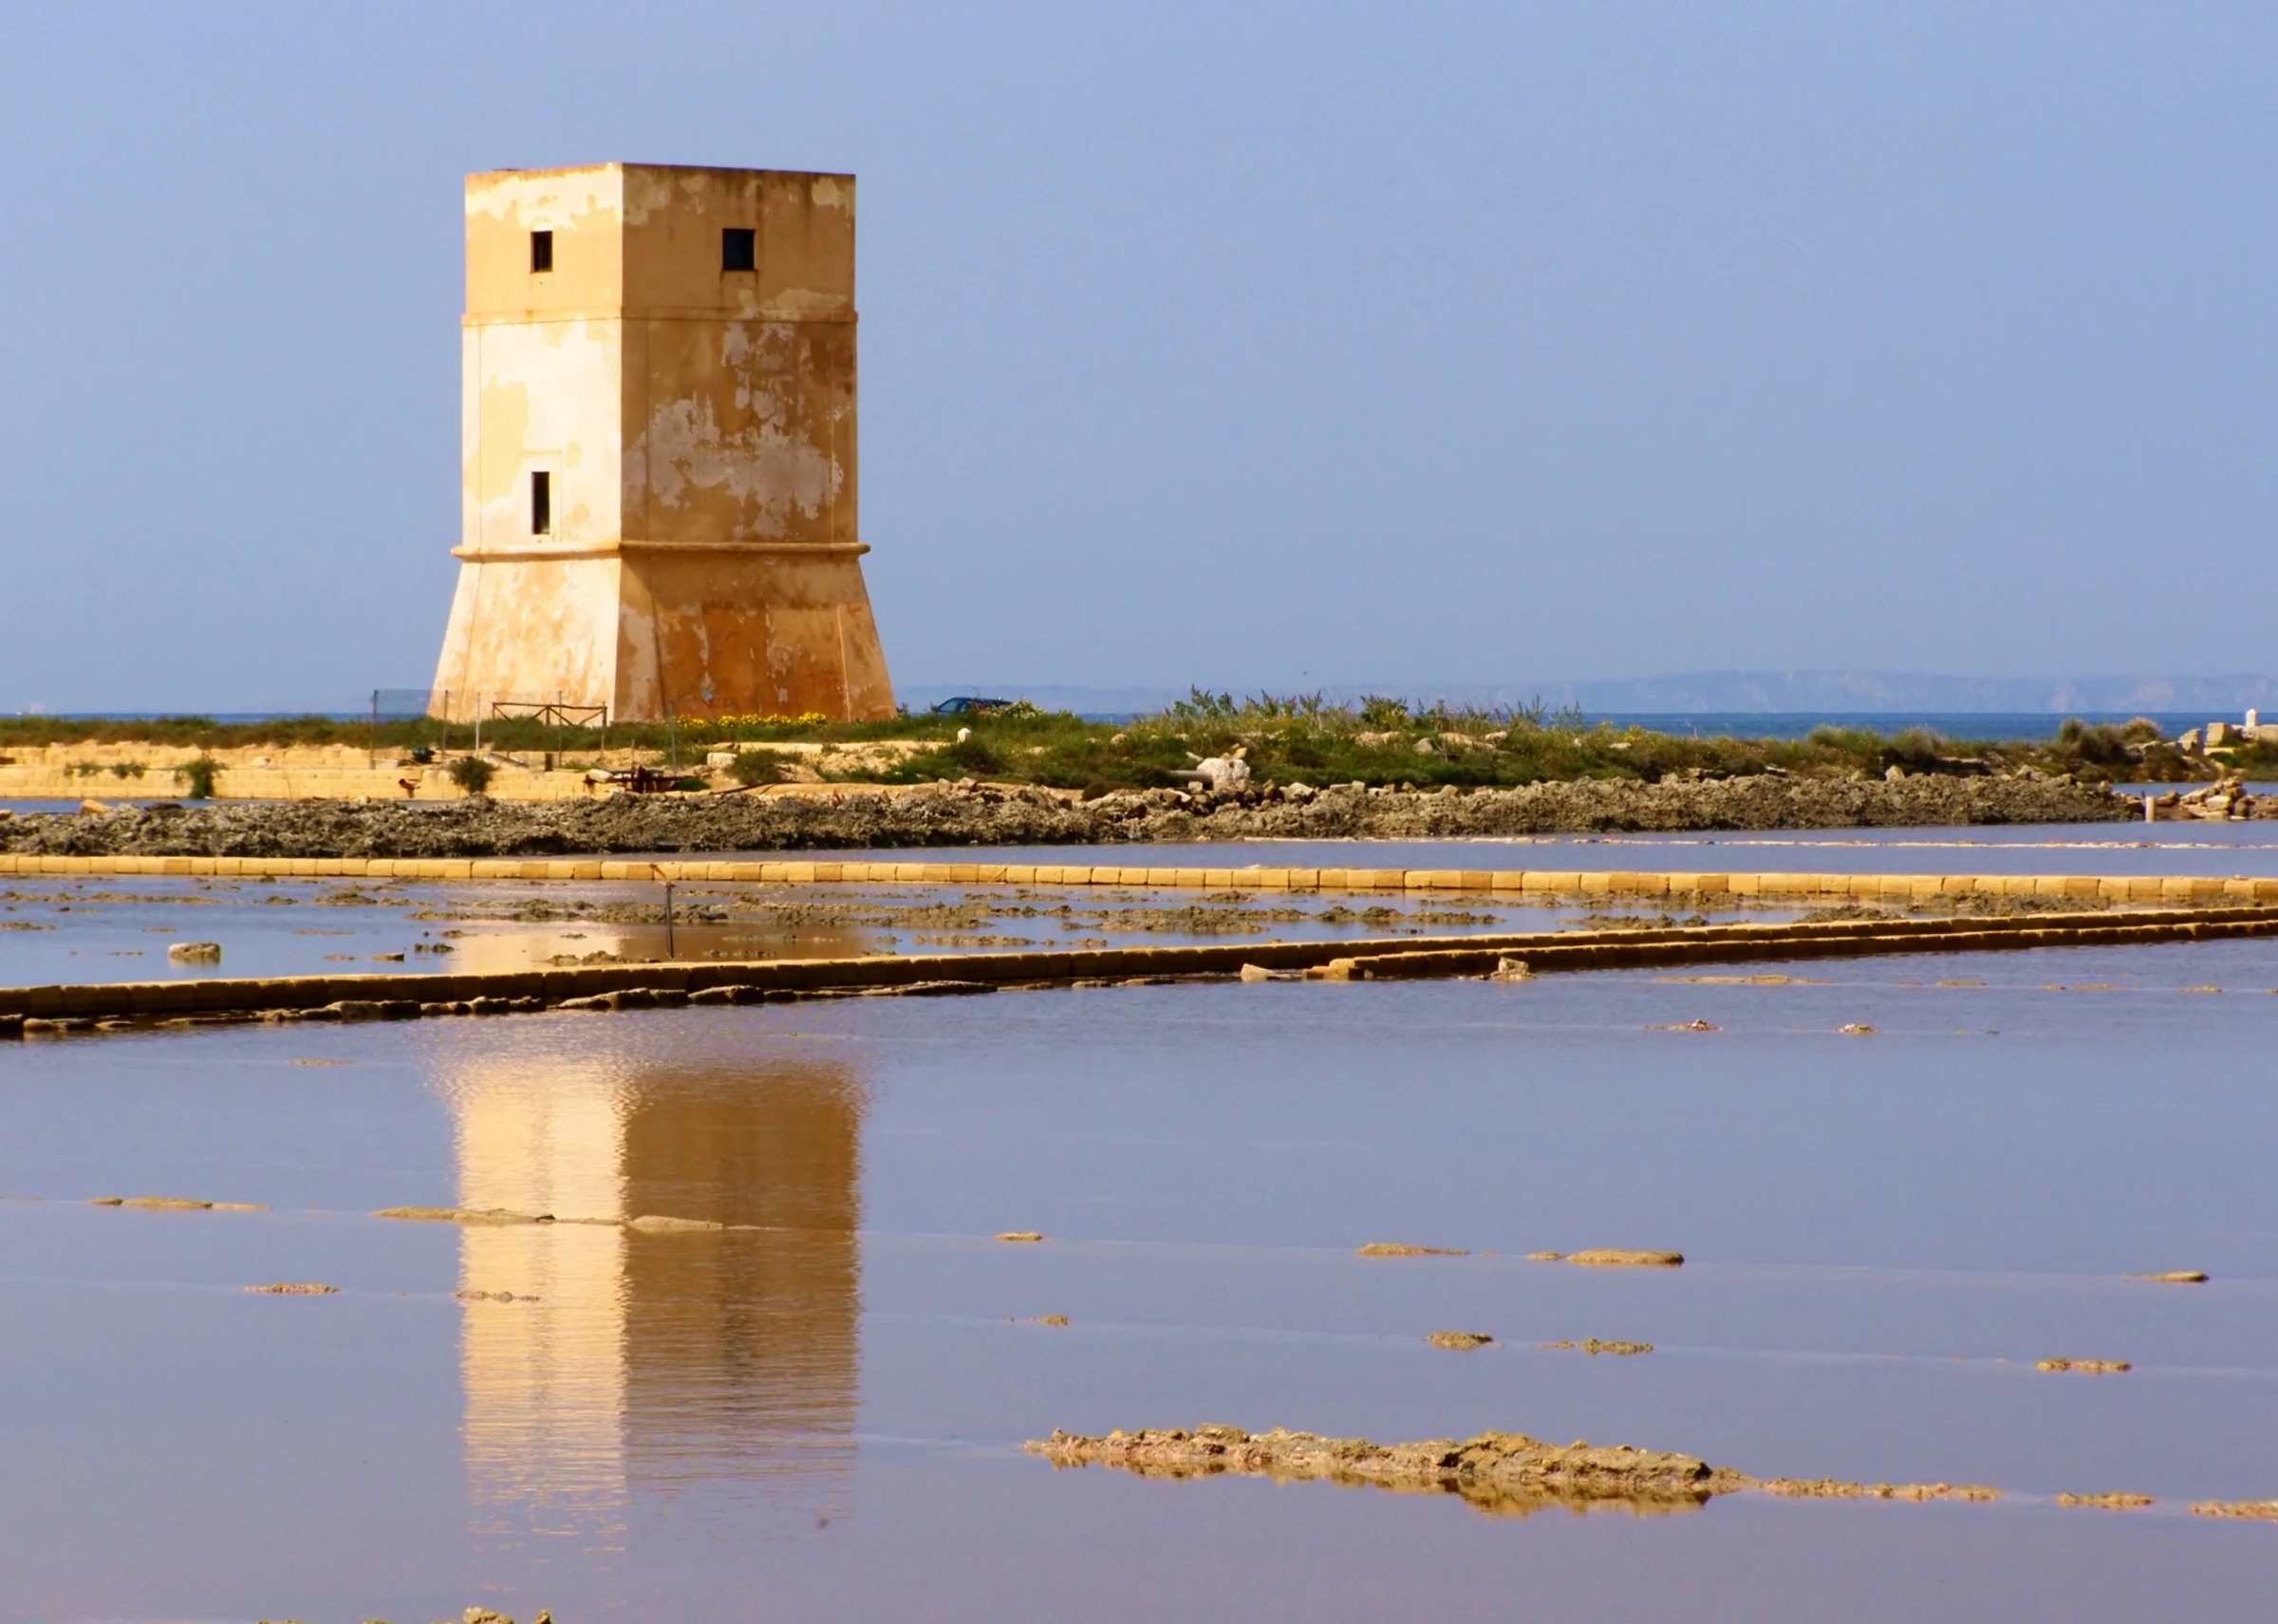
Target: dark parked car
[[969, 705]]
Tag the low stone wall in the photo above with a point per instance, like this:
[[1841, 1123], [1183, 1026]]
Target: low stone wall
[[857, 817], [1544, 882], [293, 783]]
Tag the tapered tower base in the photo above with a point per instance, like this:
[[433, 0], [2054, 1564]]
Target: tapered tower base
[[647, 633]]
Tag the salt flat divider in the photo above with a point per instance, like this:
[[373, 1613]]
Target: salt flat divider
[[1503, 882], [392, 996]]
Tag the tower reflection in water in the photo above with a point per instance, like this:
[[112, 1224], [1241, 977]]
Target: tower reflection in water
[[656, 1360]]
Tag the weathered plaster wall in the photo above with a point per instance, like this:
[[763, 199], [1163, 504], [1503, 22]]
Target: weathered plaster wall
[[539, 628], [697, 427], [771, 633], [544, 398]]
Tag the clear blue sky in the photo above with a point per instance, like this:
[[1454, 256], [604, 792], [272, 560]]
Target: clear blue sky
[[1269, 344]]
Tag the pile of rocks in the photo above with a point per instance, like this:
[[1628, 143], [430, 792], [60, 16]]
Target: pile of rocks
[[989, 814], [2225, 799]]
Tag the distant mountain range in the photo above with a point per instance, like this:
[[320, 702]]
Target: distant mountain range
[[1869, 691], [1736, 692]]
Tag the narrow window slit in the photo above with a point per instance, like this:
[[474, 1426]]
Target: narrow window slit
[[541, 504], [541, 251], [738, 249]]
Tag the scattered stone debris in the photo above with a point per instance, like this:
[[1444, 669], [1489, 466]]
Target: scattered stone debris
[[194, 952], [1459, 1341], [1857, 1029], [1259, 973], [2247, 1510], [2107, 1501], [1831, 1488], [176, 1204], [461, 1215], [1694, 1025], [650, 1224], [2085, 1367], [292, 1288], [493, 1296], [1025, 1237], [2177, 1277], [1592, 1346], [1612, 1258], [1768, 980], [1053, 1319], [1399, 1250], [1504, 1474]]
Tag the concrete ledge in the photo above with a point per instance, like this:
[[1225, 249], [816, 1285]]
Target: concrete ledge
[[1388, 958]]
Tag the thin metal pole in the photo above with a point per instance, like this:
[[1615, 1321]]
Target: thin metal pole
[[671, 950]]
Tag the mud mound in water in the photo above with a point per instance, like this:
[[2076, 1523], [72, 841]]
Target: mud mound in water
[[1506, 1473]]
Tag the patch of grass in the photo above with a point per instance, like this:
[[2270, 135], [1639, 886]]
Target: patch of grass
[[754, 767], [1287, 738]]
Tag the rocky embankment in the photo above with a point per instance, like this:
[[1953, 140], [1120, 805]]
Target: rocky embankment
[[968, 815]]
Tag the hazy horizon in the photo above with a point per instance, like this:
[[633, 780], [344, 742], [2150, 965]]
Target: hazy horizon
[[1670, 694]]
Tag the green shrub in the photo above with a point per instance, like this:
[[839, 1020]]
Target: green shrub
[[973, 756], [2099, 744], [126, 770], [197, 777], [473, 774], [756, 767]]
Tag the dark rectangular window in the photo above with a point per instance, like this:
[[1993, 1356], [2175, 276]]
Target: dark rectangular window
[[739, 249], [541, 504], [541, 251]]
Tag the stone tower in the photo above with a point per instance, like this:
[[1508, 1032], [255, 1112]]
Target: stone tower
[[658, 394]]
